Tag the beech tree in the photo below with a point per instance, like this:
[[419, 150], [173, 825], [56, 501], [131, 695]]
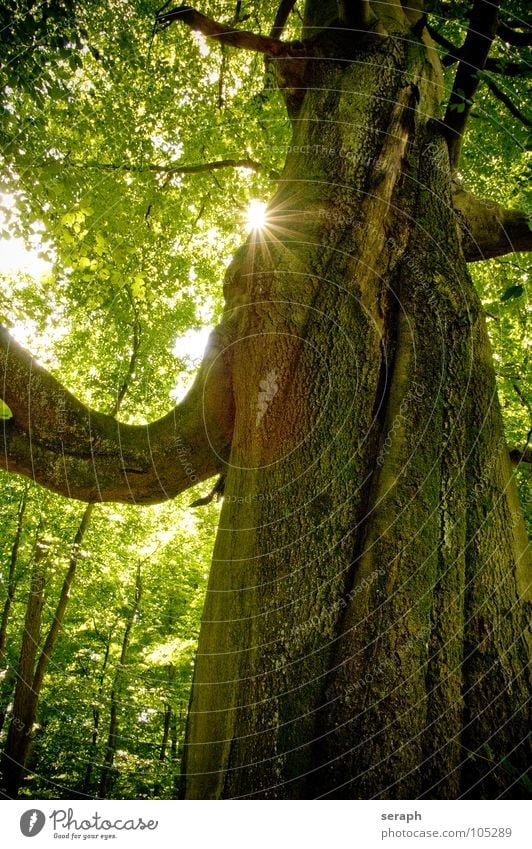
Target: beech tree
[[364, 627]]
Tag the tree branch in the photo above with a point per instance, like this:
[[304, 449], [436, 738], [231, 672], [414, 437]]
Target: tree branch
[[453, 52], [514, 37], [493, 64], [121, 394], [500, 95], [169, 170], [507, 69], [489, 230], [525, 403], [59, 442], [228, 35], [281, 17], [474, 53]]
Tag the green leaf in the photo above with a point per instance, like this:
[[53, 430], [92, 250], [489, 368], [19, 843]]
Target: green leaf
[[512, 292], [75, 61], [5, 412]]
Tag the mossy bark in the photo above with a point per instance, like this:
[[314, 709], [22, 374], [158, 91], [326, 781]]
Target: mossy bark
[[363, 631]]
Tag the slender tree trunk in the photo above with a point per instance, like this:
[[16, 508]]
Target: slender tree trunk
[[64, 596], [11, 582], [7, 684], [175, 756], [93, 748], [164, 743], [106, 776], [363, 633], [23, 715], [7, 688], [166, 732]]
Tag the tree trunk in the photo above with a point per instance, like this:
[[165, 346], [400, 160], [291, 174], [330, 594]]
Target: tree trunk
[[25, 700], [7, 688], [93, 748], [164, 744], [362, 634], [106, 776], [166, 732], [7, 683], [11, 582], [174, 749]]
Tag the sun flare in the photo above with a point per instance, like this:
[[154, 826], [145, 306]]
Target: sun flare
[[256, 215]]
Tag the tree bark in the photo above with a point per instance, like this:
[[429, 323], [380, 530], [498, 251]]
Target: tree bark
[[363, 629]]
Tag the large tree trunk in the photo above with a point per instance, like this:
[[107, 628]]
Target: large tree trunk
[[363, 634]]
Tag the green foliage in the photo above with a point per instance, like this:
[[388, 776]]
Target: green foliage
[[173, 546]]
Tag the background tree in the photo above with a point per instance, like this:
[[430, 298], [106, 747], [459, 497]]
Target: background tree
[[370, 534]]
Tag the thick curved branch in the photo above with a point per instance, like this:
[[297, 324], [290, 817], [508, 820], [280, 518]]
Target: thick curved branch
[[489, 230], [474, 53], [228, 35], [59, 442]]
